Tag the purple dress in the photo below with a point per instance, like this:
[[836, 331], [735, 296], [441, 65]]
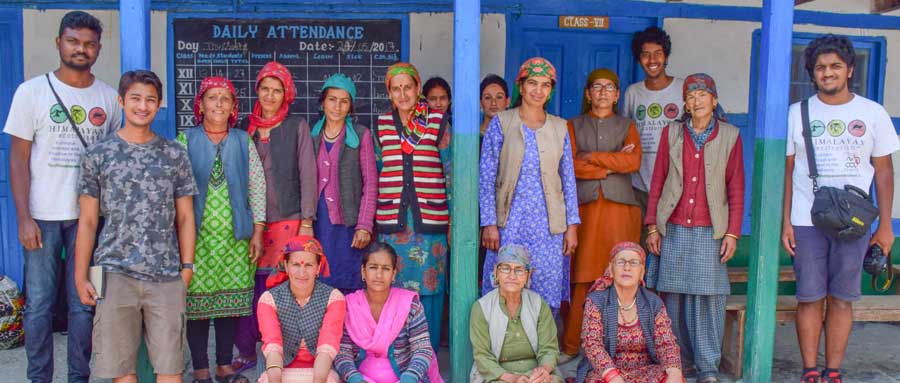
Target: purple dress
[[528, 224]]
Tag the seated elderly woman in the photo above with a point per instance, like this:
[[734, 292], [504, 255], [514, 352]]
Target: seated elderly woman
[[512, 329], [385, 334], [626, 334], [300, 318]]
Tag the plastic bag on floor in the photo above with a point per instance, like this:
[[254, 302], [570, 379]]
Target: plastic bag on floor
[[12, 306]]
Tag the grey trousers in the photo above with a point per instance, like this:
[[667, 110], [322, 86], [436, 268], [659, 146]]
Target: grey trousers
[[698, 322]]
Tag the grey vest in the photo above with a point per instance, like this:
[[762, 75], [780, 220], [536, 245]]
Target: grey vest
[[300, 323], [350, 186], [603, 135], [715, 156], [283, 154], [648, 306]]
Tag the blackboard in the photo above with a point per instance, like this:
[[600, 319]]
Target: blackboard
[[311, 49]]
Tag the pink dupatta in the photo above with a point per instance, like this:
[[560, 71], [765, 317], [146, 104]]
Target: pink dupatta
[[376, 338]]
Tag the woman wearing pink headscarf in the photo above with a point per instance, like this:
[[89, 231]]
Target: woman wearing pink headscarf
[[229, 212], [286, 150], [627, 335]]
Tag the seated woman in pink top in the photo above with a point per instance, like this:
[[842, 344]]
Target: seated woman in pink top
[[300, 319]]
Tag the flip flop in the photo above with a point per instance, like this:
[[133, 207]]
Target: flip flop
[[241, 364], [232, 378]]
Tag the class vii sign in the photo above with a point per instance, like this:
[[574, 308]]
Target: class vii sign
[[584, 22]]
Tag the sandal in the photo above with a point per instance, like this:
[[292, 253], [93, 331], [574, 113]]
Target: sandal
[[241, 364], [232, 378], [207, 380]]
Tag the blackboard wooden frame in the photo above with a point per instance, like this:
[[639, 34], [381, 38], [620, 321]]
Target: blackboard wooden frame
[[170, 129]]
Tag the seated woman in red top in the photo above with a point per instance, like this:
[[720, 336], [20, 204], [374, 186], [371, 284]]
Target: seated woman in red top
[[301, 319], [693, 222]]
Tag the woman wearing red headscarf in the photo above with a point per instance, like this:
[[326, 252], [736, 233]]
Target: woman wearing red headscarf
[[300, 317], [286, 150], [232, 199]]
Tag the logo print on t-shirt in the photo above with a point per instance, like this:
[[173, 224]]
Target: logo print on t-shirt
[[671, 111], [836, 128], [97, 116], [57, 113], [655, 110], [857, 128], [817, 128], [78, 114], [640, 112]]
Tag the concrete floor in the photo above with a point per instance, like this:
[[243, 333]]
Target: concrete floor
[[873, 356]]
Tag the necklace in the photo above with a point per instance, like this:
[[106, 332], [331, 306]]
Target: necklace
[[210, 132], [626, 308], [330, 138]]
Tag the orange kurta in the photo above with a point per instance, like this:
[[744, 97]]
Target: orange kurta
[[604, 224]]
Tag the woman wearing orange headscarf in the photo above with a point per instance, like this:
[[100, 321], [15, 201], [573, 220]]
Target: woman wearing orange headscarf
[[301, 318], [607, 150]]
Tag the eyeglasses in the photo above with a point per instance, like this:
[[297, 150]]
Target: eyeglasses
[[609, 88], [506, 269], [632, 263]]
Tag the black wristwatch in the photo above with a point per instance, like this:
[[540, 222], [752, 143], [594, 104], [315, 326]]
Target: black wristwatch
[[187, 266]]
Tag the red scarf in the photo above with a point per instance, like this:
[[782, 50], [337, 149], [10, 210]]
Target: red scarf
[[280, 72]]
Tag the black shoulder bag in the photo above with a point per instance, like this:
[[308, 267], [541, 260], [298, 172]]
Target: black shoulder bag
[[66, 110], [846, 214]]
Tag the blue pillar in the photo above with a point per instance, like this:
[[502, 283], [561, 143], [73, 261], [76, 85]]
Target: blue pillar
[[134, 25], [464, 158], [773, 83]]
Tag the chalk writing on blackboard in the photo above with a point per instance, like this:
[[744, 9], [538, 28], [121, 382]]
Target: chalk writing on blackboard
[[311, 49]]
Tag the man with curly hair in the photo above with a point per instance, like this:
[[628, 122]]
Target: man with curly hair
[[853, 139], [652, 104]]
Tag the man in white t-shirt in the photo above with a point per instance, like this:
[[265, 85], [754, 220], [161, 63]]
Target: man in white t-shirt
[[45, 159], [853, 139], [652, 104]]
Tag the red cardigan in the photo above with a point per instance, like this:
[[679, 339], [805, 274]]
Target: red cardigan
[[693, 209]]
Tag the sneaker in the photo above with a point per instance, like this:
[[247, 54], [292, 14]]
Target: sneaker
[[810, 376], [832, 376]]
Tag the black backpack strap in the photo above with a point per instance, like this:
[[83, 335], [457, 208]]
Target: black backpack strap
[[810, 149], [66, 110]]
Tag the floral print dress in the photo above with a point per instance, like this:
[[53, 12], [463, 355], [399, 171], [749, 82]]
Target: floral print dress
[[528, 223]]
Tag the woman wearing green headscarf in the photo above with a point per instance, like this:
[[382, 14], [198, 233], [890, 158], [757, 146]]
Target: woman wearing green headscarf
[[345, 162], [527, 185], [607, 150], [413, 212]]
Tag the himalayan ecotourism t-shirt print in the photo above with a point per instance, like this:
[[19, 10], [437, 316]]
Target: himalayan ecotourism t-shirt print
[[845, 137], [56, 150], [651, 111]]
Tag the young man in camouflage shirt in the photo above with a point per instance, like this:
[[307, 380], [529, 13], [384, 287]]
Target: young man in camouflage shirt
[[143, 185]]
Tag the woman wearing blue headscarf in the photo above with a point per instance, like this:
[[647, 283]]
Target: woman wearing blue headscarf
[[345, 160]]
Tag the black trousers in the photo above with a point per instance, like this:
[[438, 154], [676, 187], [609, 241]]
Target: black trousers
[[198, 341]]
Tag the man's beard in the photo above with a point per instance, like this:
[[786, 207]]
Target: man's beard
[[834, 91], [76, 66]]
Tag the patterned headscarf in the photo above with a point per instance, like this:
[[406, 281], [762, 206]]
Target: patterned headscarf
[[275, 70], [300, 243], [606, 280], [515, 254], [703, 81], [413, 129], [340, 81], [597, 74], [401, 68], [210, 83], [533, 67]]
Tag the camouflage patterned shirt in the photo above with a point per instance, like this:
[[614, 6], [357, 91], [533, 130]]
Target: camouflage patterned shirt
[[137, 185]]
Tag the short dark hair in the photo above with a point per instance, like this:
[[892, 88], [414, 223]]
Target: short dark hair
[[653, 35], [494, 79], [80, 20], [325, 94], [376, 247], [839, 45], [140, 77], [435, 82]]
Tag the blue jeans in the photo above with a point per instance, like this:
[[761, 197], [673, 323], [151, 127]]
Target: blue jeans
[[42, 269]]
